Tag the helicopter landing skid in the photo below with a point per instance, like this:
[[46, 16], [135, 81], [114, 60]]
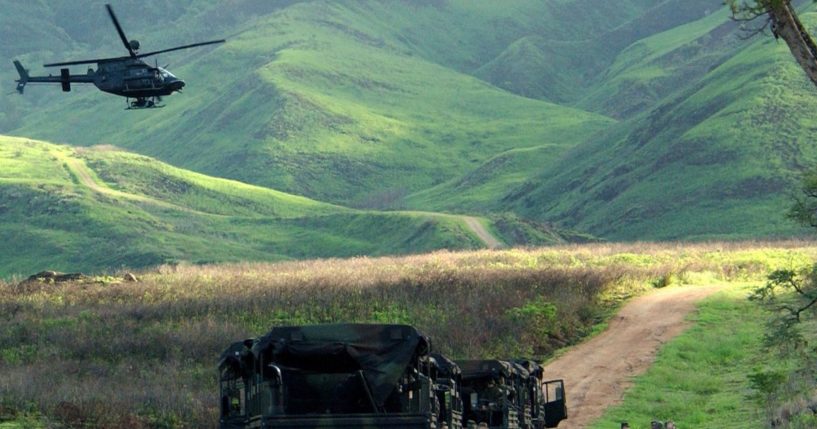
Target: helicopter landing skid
[[144, 103]]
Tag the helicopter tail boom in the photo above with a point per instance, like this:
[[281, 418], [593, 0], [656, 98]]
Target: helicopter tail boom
[[65, 78]]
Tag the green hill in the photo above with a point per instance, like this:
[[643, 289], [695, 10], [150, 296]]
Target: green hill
[[322, 100], [717, 156], [353, 102], [716, 134], [637, 119], [101, 208]]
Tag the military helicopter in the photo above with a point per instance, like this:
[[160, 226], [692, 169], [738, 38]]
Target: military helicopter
[[129, 76]]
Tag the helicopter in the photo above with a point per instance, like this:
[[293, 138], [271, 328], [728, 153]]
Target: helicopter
[[126, 76]]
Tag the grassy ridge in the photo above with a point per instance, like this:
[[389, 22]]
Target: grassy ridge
[[104, 352], [729, 159], [102, 209]]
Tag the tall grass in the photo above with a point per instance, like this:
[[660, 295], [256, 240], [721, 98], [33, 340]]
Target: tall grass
[[110, 354]]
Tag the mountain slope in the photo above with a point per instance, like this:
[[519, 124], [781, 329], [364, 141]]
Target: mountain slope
[[638, 119], [313, 100], [717, 158], [96, 209]]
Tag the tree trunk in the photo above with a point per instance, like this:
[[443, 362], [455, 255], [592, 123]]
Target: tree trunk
[[787, 25]]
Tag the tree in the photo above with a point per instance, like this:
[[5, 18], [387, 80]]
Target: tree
[[791, 295], [781, 17], [804, 209], [799, 287]]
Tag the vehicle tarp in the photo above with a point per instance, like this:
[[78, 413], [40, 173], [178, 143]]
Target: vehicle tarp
[[381, 352], [445, 366], [478, 369], [533, 367], [237, 356]]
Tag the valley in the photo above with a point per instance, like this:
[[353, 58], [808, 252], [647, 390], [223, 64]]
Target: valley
[[639, 126]]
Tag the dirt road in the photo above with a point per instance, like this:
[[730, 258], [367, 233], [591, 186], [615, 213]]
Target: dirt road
[[598, 372], [482, 233], [82, 172], [473, 223]]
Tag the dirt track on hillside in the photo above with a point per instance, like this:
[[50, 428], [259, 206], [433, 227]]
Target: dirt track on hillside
[[598, 372], [83, 173], [481, 232]]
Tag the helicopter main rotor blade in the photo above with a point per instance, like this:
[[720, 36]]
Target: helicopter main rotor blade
[[119, 30], [212, 42], [72, 63]]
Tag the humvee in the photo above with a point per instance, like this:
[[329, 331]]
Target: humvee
[[337, 376], [543, 401], [376, 376], [448, 379], [501, 394]]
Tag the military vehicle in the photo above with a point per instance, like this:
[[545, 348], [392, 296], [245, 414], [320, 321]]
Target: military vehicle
[[510, 395], [337, 376], [543, 401], [377, 376], [127, 76], [489, 394], [448, 379]]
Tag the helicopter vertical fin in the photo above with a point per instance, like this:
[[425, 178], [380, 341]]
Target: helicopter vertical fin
[[65, 79], [21, 84]]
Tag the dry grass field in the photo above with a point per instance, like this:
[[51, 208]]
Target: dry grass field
[[106, 353]]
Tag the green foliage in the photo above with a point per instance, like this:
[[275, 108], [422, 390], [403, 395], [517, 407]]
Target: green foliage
[[160, 419], [19, 414], [534, 313], [702, 139], [537, 324], [787, 396], [514, 229], [789, 294], [745, 9], [766, 384], [665, 280], [804, 207], [392, 313]]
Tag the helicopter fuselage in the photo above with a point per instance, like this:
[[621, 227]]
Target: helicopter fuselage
[[133, 78]]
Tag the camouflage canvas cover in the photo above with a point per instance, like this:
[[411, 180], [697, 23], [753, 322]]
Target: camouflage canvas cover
[[479, 369], [381, 352], [446, 367], [237, 356], [533, 367], [519, 370]]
